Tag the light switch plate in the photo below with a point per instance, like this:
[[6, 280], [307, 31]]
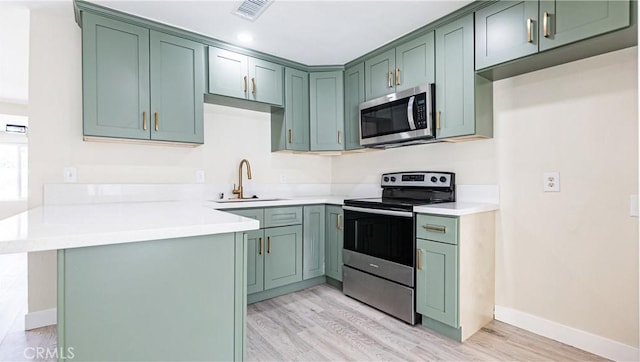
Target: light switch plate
[[551, 181], [200, 176], [70, 174]]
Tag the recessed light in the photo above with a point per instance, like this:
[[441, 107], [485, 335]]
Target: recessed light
[[245, 37]]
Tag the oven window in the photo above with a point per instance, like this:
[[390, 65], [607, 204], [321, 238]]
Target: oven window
[[381, 236]]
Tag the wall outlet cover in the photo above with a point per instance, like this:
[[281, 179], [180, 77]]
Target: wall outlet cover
[[200, 177], [551, 181], [70, 174]]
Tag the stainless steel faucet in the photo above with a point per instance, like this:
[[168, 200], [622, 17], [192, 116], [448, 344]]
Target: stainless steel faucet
[[239, 191]]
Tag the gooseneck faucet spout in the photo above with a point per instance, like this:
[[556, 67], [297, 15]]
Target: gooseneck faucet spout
[[239, 191]]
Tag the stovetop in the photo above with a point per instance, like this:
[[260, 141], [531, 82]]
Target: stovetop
[[390, 203]]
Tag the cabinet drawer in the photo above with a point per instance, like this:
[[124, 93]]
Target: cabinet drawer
[[255, 213], [438, 228], [282, 216]]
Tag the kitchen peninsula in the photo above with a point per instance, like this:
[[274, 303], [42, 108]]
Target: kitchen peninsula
[[127, 271]]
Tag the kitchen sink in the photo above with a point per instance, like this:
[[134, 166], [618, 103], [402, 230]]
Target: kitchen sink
[[251, 199]]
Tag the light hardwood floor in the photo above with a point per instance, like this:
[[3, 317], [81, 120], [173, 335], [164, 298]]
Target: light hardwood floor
[[321, 324]]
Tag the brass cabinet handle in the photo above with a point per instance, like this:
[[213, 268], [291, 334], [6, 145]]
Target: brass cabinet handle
[[268, 244], [389, 79], [529, 37], [261, 246], [339, 222], [435, 228], [144, 120], [253, 85], [545, 24], [245, 84], [397, 76], [156, 120], [290, 136], [339, 137], [419, 262], [438, 115]]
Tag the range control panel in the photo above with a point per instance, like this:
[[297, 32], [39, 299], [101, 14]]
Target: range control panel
[[418, 179]]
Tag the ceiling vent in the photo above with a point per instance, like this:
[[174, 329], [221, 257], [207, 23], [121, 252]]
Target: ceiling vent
[[251, 9]]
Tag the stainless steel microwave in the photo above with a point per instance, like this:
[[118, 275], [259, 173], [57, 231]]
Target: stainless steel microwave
[[401, 118]]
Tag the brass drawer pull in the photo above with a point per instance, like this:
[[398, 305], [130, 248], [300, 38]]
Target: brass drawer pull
[[435, 228], [253, 85], [438, 115], [144, 120], [339, 137], [419, 262], [261, 246], [268, 244], [389, 80], [529, 35], [397, 76], [245, 84], [339, 222], [157, 122], [545, 24], [290, 136]]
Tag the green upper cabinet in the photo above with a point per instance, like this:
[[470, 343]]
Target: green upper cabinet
[[177, 89], [505, 31], [437, 281], [326, 111], [133, 76], [236, 75], [296, 110], [564, 21], [283, 258], [313, 241], [334, 241], [464, 101], [353, 96], [406, 66]]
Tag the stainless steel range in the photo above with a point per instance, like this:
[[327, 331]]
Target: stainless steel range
[[380, 243]]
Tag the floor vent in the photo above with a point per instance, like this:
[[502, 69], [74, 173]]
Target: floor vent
[[251, 9]]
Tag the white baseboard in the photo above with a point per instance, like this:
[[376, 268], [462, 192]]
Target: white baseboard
[[586, 341], [42, 318]]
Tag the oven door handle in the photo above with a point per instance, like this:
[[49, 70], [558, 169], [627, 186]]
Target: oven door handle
[[379, 211]]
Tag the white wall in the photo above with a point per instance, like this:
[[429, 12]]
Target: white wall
[[55, 140]]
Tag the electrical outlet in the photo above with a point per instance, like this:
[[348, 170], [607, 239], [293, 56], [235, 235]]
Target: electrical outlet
[[551, 181], [70, 174], [200, 176], [283, 179]]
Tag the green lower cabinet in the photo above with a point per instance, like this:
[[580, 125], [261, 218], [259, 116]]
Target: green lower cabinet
[[283, 258], [334, 241], [313, 248], [437, 281], [255, 261]]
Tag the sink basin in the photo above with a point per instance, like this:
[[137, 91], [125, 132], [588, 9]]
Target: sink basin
[[253, 199]]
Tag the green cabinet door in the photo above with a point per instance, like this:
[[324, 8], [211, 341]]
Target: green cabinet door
[[437, 281], [415, 62], [313, 241], [265, 83], [379, 74], [283, 260], [353, 96], [228, 73], [334, 242], [177, 89], [296, 110], [455, 92], [505, 31], [569, 21], [115, 78], [255, 261], [326, 111]]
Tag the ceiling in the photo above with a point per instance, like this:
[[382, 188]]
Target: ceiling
[[312, 32]]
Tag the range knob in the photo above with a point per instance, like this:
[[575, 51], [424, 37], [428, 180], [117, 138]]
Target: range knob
[[443, 179], [393, 179], [386, 179], [434, 179]]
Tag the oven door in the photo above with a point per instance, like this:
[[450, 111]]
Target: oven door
[[380, 242]]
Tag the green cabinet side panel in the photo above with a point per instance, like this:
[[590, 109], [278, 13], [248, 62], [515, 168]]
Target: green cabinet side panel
[[255, 261], [228, 73], [502, 32], [296, 110], [283, 260], [570, 21], [177, 89], [455, 91], [334, 242], [174, 299], [313, 241], [415, 61], [326, 111], [437, 281], [353, 96], [376, 73], [282, 216], [115, 78], [266, 82]]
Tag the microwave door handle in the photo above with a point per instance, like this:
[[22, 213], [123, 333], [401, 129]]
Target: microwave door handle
[[412, 123]]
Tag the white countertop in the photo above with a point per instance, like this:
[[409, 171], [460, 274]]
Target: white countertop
[[267, 202], [456, 208], [62, 227]]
